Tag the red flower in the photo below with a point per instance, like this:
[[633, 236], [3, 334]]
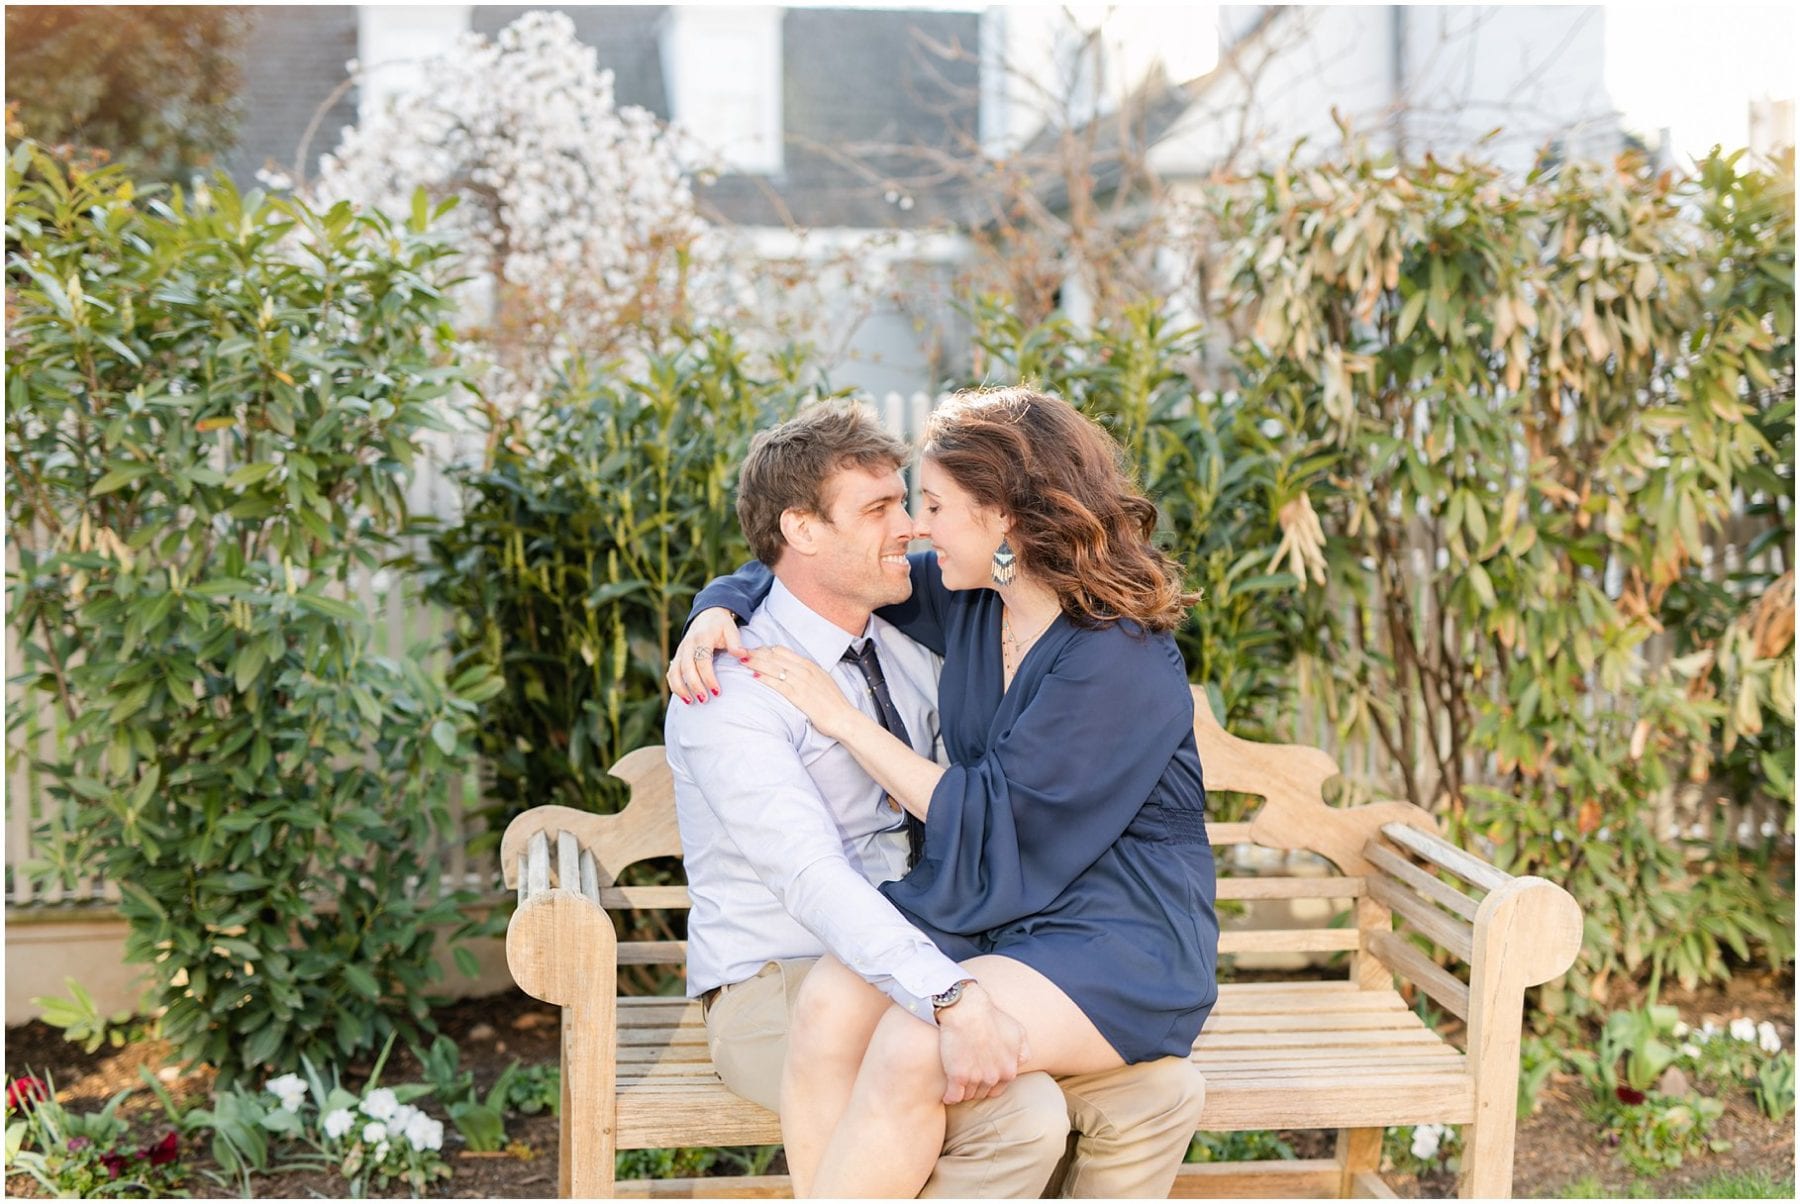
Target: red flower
[[114, 1164], [21, 1094], [1629, 1095], [164, 1151]]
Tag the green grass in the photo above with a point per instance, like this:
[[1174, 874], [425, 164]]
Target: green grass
[[1744, 1185], [1726, 1185]]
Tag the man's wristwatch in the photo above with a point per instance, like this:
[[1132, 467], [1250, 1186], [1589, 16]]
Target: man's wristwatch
[[951, 997]]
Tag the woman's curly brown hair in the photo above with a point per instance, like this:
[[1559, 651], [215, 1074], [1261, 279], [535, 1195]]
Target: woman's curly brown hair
[[1079, 524]]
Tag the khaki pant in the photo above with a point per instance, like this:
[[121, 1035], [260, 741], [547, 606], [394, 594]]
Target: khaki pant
[[1116, 1134]]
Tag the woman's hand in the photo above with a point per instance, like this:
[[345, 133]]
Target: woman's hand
[[690, 675], [807, 686]]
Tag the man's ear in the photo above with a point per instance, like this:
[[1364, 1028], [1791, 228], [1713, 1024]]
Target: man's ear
[[797, 530]]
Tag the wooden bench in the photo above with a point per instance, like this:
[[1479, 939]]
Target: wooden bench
[[1347, 1054]]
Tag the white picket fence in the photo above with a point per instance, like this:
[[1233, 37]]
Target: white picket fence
[[403, 622]]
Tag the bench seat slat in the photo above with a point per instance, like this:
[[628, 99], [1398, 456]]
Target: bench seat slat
[[1276, 1055], [704, 1112], [1287, 940]]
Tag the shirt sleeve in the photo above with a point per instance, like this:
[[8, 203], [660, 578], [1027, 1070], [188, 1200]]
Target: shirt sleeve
[[921, 617], [740, 592], [1007, 834], [743, 755]]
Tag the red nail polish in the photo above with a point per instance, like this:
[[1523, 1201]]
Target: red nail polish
[[715, 693]]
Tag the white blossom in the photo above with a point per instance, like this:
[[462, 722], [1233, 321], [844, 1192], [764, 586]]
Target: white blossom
[[1680, 1029], [1743, 1029], [290, 1089], [423, 1132], [1768, 1038], [1425, 1141], [578, 208], [577, 215], [374, 1131], [1690, 1050], [381, 1104], [338, 1123]]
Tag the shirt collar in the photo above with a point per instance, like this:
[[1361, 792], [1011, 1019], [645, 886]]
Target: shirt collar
[[819, 638]]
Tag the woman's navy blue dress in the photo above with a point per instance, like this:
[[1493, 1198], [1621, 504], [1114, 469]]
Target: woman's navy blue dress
[[1069, 831]]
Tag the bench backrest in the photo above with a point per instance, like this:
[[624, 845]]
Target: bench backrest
[[593, 851]]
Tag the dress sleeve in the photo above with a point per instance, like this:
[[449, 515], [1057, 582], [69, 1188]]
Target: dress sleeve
[[921, 617], [1006, 834], [740, 592]]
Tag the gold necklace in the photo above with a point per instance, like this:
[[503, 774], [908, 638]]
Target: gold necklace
[[1011, 646]]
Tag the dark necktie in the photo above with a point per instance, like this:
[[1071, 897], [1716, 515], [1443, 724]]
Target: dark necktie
[[870, 664]]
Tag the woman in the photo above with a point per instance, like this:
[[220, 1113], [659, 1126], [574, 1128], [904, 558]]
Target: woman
[[1065, 861]]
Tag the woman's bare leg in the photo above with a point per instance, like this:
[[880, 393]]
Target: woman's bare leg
[[835, 1014], [893, 1128]]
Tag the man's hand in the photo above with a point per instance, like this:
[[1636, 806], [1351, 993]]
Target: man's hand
[[690, 675], [981, 1047]]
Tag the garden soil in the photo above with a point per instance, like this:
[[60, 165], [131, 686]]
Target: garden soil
[[1557, 1146]]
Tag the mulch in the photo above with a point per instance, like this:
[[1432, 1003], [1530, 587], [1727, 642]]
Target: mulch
[[1557, 1146]]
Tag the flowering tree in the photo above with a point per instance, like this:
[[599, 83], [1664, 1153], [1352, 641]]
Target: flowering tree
[[579, 214]]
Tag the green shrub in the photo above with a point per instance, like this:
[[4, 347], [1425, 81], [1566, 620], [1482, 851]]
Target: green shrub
[[582, 543], [212, 406], [1532, 401]]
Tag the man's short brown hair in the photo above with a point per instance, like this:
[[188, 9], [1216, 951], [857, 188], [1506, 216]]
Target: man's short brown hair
[[788, 466]]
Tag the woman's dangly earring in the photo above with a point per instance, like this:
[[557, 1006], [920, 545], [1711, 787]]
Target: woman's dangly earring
[[1006, 564]]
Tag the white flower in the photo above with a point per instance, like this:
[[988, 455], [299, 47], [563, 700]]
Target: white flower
[[423, 1132], [381, 1104], [339, 1123], [1690, 1050], [287, 1084], [290, 1089], [374, 1131], [1708, 1031], [1680, 1029], [1768, 1038], [1425, 1142], [381, 1151], [1743, 1029]]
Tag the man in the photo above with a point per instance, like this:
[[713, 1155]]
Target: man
[[785, 838]]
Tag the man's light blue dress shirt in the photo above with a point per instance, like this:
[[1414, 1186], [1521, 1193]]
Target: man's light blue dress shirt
[[783, 834]]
